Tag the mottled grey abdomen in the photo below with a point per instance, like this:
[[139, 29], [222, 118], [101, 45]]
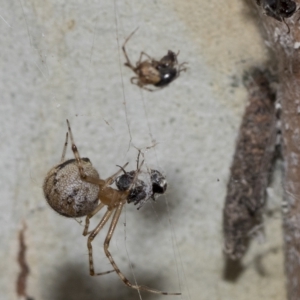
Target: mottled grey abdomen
[[67, 193]]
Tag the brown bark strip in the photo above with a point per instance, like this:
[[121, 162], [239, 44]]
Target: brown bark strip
[[24, 272], [251, 166], [286, 47]]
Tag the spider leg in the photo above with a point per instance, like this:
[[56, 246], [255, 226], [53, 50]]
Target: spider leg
[[176, 61], [83, 176], [141, 85], [91, 237], [136, 81], [64, 149], [151, 90], [138, 160], [89, 216], [128, 63], [111, 230], [110, 180], [76, 153], [140, 59], [132, 80], [138, 165], [182, 68]]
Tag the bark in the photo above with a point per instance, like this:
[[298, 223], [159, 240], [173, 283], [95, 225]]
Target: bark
[[285, 45]]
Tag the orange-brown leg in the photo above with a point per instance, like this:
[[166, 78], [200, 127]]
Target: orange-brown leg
[[136, 81], [64, 149], [89, 216], [102, 183], [76, 154], [111, 230], [141, 56], [128, 63], [91, 237]]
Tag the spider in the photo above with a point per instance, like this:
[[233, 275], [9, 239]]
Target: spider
[[156, 72], [73, 188], [278, 9]]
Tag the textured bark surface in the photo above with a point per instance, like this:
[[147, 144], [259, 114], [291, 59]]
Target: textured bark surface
[[285, 44]]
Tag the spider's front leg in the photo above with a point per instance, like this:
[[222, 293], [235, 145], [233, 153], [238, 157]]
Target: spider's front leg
[[82, 174], [64, 149]]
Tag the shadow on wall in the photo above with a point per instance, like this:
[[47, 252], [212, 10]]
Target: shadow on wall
[[233, 269], [73, 283]]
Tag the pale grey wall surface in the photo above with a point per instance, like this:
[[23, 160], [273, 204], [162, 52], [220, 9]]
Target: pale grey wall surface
[[61, 59]]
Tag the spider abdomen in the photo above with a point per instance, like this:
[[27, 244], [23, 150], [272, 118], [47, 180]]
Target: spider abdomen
[[148, 74], [67, 193]]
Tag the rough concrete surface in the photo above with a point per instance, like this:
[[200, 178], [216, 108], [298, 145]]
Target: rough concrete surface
[[61, 59]]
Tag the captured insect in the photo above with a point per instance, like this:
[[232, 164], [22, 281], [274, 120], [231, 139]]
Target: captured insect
[[152, 185], [154, 72], [278, 9], [73, 188]]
